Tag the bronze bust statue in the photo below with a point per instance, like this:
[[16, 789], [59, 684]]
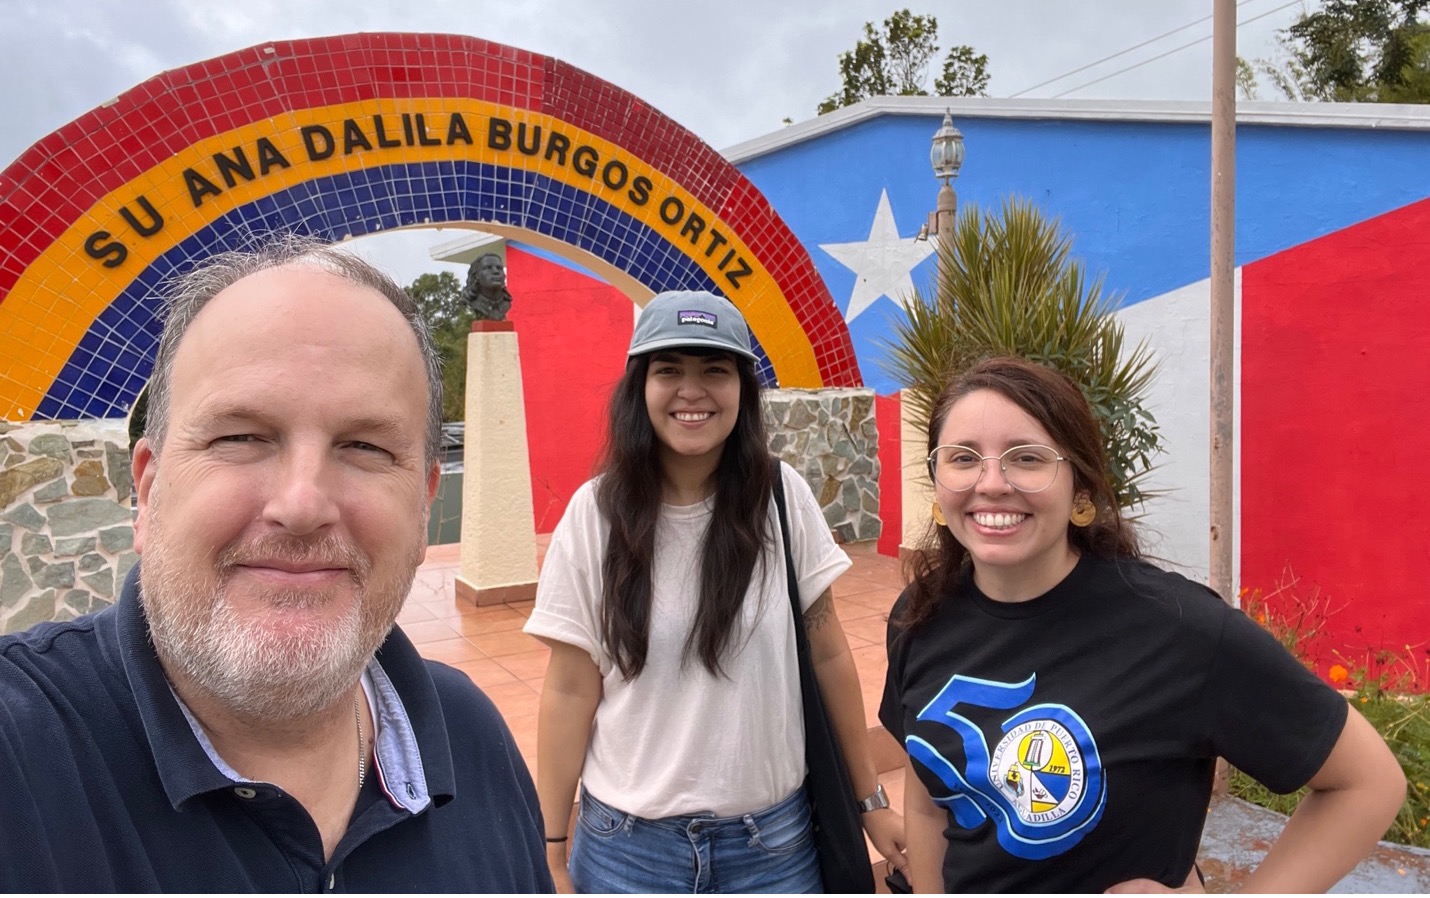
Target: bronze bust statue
[[485, 292]]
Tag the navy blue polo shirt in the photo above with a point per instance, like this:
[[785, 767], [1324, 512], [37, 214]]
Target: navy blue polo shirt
[[105, 786]]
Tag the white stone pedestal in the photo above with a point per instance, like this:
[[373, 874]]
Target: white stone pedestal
[[498, 526]]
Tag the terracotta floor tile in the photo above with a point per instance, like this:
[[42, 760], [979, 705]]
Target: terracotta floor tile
[[856, 641], [486, 672], [414, 611], [496, 619], [424, 631], [524, 723], [524, 608], [872, 664], [526, 744], [514, 699], [849, 611], [448, 607], [451, 651], [882, 598], [873, 628], [444, 553], [526, 666], [508, 642], [851, 584]]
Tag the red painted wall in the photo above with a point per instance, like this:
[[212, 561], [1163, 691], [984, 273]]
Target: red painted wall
[[573, 331], [891, 487], [1336, 434]]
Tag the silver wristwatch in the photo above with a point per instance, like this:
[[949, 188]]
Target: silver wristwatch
[[880, 799]]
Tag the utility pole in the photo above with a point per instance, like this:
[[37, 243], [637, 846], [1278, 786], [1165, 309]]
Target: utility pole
[[1223, 310]]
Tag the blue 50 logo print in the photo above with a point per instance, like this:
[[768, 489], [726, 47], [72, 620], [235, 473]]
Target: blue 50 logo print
[[1043, 783]]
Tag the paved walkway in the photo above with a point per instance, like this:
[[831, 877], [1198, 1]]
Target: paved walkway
[[488, 645]]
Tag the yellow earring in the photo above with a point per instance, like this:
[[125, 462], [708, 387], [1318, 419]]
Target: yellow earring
[[938, 516], [1083, 512]]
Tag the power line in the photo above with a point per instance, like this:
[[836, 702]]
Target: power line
[[1098, 62], [1199, 40], [1138, 47]]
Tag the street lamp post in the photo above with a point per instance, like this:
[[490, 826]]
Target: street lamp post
[[946, 155]]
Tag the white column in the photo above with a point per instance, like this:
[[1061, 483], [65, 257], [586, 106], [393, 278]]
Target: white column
[[498, 526], [917, 497]]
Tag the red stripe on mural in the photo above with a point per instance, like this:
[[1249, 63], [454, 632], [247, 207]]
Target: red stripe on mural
[[1333, 434], [748, 209]]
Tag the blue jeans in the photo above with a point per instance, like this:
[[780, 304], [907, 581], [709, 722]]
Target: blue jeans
[[766, 851]]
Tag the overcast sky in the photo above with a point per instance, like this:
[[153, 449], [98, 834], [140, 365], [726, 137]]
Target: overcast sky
[[730, 70]]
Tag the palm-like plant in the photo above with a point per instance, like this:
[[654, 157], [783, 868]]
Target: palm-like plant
[[1008, 285]]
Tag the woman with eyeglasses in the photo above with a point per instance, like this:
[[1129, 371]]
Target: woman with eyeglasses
[[1063, 702]]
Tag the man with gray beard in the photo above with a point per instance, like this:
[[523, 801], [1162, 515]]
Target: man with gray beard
[[247, 717]]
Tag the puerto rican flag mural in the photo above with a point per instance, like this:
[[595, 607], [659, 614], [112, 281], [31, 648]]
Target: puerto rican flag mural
[[1333, 338], [1333, 377]]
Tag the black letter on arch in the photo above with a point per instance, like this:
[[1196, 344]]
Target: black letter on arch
[[156, 221], [619, 181], [735, 276], [457, 130], [556, 147], [640, 190], [499, 134], [199, 187], [585, 160], [522, 146], [674, 203], [113, 250], [238, 164], [694, 227], [312, 134], [269, 156]]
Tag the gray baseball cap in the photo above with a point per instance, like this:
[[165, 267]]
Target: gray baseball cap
[[691, 318]]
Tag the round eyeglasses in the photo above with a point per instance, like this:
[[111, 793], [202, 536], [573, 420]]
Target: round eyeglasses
[[1028, 469]]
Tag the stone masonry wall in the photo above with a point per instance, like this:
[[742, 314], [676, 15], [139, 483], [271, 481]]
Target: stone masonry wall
[[66, 529], [830, 437]]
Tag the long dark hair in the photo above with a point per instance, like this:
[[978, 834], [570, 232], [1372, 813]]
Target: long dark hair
[[1056, 403], [628, 495]]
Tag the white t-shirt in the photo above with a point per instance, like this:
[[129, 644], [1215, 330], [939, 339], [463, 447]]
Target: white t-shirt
[[677, 740]]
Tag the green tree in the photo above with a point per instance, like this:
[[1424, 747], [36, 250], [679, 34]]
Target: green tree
[[895, 61], [440, 298], [1371, 51], [1245, 80], [1010, 286]]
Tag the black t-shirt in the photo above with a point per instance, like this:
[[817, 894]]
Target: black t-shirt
[[1073, 737]]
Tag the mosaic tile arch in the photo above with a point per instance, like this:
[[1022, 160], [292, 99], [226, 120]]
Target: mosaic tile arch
[[350, 135]]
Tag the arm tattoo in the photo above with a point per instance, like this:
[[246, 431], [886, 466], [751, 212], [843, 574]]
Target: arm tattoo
[[820, 613]]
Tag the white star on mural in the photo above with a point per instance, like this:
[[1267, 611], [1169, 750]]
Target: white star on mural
[[882, 264]]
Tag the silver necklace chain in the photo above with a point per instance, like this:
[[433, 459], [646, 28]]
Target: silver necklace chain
[[362, 753]]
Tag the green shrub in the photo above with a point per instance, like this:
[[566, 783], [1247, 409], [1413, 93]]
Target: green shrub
[[1009, 286], [1404, 722], [1382, 687]]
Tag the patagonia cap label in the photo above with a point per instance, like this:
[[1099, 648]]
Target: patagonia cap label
[[697, 317]]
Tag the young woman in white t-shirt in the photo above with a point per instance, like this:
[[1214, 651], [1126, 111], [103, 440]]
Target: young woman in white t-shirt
[[672, 693]]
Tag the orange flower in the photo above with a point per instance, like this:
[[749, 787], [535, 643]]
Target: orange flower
[[1339, 674], [1241, 593], [1261, 618]]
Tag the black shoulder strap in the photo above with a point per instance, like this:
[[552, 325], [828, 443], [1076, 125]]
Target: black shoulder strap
[[791, 579]]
